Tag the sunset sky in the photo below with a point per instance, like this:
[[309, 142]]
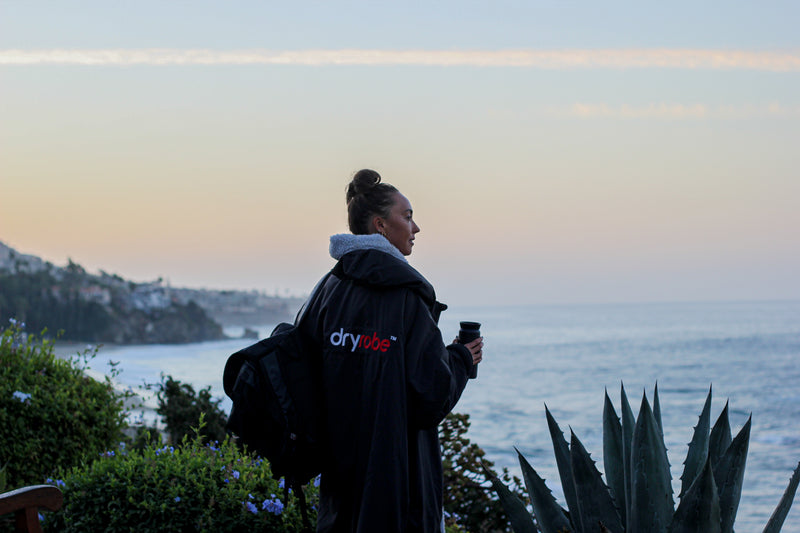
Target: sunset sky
[[554, 152]]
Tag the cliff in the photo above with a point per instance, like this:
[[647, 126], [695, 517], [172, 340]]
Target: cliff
[[106, 308]]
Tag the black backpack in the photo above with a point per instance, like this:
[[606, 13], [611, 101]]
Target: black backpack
[[275, 386], [275, 389]]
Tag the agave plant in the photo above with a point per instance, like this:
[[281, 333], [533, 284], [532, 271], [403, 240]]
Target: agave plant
[[637, 495]]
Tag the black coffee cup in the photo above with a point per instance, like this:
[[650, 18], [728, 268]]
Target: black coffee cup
[[469, 332]]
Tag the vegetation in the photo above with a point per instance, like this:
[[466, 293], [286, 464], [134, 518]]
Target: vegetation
[[196, 486], [40, 300], [181, 408], [469, 502], [99, 308], [639, 497], [53, 416]]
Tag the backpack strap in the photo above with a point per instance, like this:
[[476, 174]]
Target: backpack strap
[[294, 487]]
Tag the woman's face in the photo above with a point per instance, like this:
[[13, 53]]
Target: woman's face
[[399, 227]]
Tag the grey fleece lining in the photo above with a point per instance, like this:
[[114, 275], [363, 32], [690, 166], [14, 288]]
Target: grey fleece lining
[[343, 243]]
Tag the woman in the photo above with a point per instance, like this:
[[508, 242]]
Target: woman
[[388, 379]]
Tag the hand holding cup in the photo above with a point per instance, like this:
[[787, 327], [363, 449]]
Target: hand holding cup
[[470, 336]]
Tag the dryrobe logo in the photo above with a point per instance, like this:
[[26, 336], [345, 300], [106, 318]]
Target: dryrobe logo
[[365, 342]]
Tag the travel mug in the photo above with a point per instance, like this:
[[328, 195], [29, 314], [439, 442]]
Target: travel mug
[[469, 332]]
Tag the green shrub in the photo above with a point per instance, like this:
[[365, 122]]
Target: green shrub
[[181, 408], [192, 487], [51, 414], [469, 500]]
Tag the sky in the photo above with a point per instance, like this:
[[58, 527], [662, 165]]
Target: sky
[[553, 152]]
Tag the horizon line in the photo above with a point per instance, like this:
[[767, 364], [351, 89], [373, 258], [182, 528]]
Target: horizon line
[[561, 59]]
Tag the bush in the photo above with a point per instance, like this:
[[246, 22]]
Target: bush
[[469, 500], [52, 415], [181, 409], [191, 487]]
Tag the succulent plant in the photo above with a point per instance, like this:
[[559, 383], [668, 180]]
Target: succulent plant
[[637, 495]]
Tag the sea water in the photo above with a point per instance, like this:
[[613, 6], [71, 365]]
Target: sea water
[[567, 356]]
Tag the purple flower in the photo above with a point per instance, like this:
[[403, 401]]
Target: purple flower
[[177, 499], [165, 449], [274, 506], [22, 396], [251, 507], [235, 474]]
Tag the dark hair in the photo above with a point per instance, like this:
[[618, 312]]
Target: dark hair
[[367, 197]]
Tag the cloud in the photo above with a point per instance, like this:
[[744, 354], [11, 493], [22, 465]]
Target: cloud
[[773, 61], [661, 110], [666, 111]]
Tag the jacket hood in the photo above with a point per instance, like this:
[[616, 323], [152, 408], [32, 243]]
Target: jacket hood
[[366, 260], [343, 243]]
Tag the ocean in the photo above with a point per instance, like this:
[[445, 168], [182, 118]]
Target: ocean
[[566, 356]]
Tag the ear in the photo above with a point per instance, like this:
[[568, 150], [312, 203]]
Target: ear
[[378, 224]]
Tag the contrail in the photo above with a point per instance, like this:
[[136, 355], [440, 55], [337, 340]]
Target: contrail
[[692, 59]]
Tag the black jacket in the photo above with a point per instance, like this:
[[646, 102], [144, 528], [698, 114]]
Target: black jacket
[[388, 381]]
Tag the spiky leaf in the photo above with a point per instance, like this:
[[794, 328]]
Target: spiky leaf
[[561, 451], [698, 511], [612, 456], [729, 473], [549, 515], [779, 515], [657, 410], [595, 505], [628, 424], [697, 455], [720, 437], [521, 520], [652, 505]]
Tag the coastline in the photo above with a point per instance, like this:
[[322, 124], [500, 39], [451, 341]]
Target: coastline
[[140, 405]]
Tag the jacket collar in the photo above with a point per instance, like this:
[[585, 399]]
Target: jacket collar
[[372, 260], [344, 243]]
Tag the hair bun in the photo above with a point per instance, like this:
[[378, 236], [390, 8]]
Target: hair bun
[[367, 197], [363, 181]]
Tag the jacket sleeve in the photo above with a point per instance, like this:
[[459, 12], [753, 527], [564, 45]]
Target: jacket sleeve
[[435, 375]]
